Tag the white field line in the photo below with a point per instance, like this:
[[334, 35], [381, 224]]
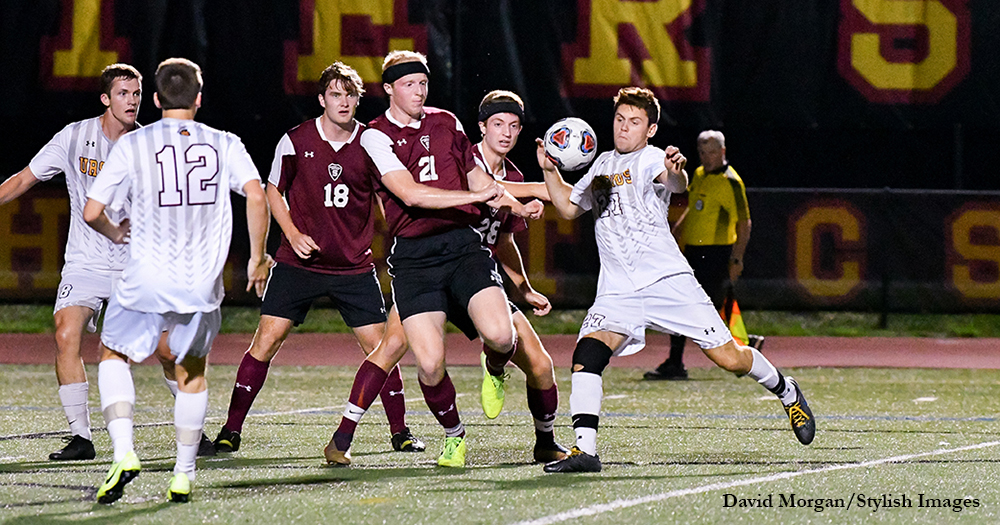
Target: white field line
[[625, 503]]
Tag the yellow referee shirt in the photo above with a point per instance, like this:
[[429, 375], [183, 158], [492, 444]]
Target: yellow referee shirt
[[716, 202]]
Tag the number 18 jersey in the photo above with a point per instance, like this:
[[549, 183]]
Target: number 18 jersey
[[178, 175]]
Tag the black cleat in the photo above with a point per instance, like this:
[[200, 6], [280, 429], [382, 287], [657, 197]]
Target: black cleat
[[667, 372], [205, 447], [549, 452], [577, 461], [77, 447], [800, 416], [404, 441], [756, 341], [227, 441]]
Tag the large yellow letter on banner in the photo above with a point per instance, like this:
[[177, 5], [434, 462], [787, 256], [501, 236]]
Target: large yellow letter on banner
[[327, 31], [85, 57], [848, 228], [650, 20], [986, 254], [46, 241], [942, 27]]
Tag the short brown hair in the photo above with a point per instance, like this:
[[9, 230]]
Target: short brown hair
[[178, 82], [116, 71], [641, 98], [501, 95], [348, 77], [400, 56]]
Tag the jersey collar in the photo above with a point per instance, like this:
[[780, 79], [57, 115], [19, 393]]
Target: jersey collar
[[415, 124]]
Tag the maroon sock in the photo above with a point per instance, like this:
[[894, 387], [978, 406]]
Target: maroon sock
[[495, 361], [369, 380], [440, 399], [543, 405], [393, 402], [249, 379]]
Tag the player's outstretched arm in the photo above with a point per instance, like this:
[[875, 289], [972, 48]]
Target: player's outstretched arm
[[479, 179], [93, 214], [302, 244], [510, 258], [417, 195], [258, 221], [674, 177], [17, 185], [559, 191], [526, 190]]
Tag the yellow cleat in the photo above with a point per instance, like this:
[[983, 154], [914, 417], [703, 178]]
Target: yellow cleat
[[454, 453], [494, 388], [119, 475], [180, 489]]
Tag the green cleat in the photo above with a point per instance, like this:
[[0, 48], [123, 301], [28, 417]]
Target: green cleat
[[180, 488], [493, 390], [119, 475], [454, 453]]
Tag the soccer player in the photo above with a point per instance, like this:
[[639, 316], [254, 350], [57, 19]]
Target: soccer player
[[429, 184], [327, 228], [644, 280], [93, 263], [178, 174], [500, 116]]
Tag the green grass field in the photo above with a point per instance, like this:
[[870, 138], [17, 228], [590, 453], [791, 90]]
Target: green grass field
[[671, 452]]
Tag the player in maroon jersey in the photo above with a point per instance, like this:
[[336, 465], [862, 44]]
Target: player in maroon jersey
[[327, 226], [429, 184]]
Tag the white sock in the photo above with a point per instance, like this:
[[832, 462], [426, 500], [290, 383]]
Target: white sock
[[189, 420], [585, 398], [768, 376], [74, 402], [114, 380], [455, 431], [172, 385]]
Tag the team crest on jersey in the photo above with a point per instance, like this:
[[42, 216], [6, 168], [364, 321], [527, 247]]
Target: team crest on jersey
[[335, 171], [425, 141], [184, 132]]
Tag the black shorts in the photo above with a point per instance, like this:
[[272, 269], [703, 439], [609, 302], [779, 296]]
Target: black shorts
[[440, 272], [291, 291], [711, 267], [460, 318]]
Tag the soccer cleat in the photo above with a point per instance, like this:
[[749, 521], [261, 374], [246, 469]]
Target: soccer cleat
[[205, 446], [227, 441], [800, 416], [404, 441], [666, 372], [180, 489], [77, 447], [577, 461], [549, 452], [337, 457], [493, 390], [119, 475], [756, 341], [454, 453]]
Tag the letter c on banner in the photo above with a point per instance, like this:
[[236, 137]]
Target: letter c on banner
[[827, 250]]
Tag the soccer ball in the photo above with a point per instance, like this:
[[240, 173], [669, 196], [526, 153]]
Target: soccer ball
[[570, 143]]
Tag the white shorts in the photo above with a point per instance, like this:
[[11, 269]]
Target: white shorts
[[676, 304], [82, 286], [136, 334]]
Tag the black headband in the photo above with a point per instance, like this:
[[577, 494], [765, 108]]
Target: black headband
[[492, 108], [398, 71]]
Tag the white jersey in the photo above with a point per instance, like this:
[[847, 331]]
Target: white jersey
[[178, 174], [633, 236], [79, 150]]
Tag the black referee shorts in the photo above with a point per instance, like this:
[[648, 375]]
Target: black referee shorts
[[291, 291], [440, 272]]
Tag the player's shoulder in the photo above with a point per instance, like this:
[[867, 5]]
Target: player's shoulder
[[514, 174], [69, 129], [302, 129]]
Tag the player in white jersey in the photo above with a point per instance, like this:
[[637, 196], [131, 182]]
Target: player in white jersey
[[93, 263], [178, 174], [644, 282]]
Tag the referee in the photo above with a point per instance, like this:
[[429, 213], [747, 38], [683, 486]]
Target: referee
[[715, 230]]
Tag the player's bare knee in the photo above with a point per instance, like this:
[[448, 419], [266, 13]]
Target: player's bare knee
[[498, 340]]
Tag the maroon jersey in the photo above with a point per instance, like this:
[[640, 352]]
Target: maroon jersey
[[492, 222], [330, 196], [437, 153]]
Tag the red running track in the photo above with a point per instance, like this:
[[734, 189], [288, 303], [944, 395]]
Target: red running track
[[342, 350]]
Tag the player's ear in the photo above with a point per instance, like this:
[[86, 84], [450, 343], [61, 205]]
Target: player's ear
[[482, 127], [322, 101], [156, 101], [651, 132], [387, 87], [197, 100], [106, 100]]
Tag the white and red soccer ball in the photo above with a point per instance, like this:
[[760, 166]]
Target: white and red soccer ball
[[570, 143]]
